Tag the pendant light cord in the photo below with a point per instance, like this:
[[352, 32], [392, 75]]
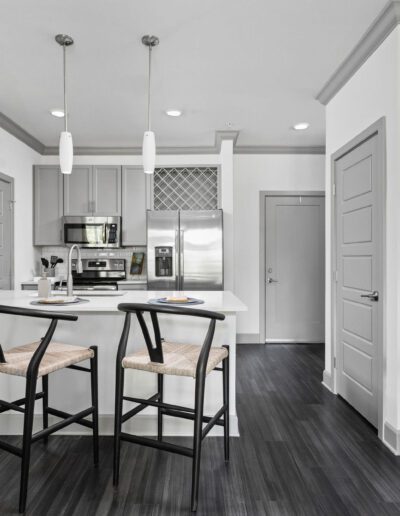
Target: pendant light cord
[[149, 92], [65, 88]]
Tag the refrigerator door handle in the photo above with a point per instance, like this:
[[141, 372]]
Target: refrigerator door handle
[[177, 261], [182, 259]]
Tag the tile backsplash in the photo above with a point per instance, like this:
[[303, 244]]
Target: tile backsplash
[[62, 252]]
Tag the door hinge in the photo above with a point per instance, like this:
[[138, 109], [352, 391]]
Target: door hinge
[[11, 205], [334, 362], [335, 276], [334, 189]]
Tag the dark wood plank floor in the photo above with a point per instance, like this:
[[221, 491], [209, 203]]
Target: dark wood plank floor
[[302, 451]]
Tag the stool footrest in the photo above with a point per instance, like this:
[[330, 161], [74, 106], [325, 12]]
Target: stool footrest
[[183, 415], [160, 445], [137, 409], [68, 419], [11, 448], [6, 405], [214, 420], [152, 403]]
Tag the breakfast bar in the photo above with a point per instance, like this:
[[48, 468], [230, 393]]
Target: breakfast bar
[[100, 324]]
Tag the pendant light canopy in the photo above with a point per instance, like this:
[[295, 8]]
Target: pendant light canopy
[[66, 149], [149, 142]]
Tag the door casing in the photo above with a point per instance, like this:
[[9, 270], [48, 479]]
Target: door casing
[[379, 129], [263, 273], [10, 180]]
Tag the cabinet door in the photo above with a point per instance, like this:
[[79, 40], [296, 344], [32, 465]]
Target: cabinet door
[[107, 190], [78, 189], [135, 189], [47, 205]]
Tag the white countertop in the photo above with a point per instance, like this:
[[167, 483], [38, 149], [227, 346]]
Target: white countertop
[[219, 301]]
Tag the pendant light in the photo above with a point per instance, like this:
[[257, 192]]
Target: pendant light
[[149, 143], [66, 150]]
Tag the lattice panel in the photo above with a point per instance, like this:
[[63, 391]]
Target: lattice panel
[[194, 188]]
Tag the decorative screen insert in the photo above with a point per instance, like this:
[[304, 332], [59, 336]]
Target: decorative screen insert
[[194, 188]]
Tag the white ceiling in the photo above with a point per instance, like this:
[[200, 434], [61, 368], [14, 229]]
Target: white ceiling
[[256, 64]]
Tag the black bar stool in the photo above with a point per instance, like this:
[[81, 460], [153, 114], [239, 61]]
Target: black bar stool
[[175, 359], [36, 360]]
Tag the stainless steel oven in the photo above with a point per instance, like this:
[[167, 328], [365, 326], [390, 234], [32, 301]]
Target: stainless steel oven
[[92, 231]]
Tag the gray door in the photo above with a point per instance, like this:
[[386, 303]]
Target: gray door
[[6, 215], [359, 242], [201, 250], [295, 265]]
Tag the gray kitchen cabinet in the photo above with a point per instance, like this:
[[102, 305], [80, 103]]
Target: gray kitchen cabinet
[[47, 205], [78, 191], [93, 190], [107, 190], [135, 202]]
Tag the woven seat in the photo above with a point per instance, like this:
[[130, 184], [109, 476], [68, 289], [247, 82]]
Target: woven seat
[[57, 356], [179, 359]]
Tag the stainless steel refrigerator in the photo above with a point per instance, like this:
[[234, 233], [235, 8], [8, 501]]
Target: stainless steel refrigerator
[[185, 250]]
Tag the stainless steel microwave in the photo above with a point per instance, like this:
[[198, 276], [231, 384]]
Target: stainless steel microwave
[[92, 231]]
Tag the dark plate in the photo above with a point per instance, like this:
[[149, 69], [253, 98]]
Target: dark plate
[[190, 301]]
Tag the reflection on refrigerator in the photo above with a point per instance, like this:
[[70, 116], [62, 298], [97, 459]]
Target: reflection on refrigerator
[[185, 250]]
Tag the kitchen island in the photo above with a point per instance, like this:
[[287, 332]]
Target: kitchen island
[[100, 324]]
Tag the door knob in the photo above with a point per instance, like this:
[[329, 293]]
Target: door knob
[[271, 280], [373, 296]]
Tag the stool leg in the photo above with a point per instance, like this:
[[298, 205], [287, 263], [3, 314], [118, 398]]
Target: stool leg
[[225, 380], [45, 385], [119, 392], [95, 404], [27, 440], [197, 439], [160, 381]]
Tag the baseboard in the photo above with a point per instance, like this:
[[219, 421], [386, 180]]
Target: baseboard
[[391, 438], [327, 380], [247, 338], [142, 424]]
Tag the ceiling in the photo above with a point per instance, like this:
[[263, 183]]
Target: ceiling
[[249, 65]]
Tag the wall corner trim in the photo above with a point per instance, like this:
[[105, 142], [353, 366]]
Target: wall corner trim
[[377, 32], [391, 438], [18, 132], [327, 380]]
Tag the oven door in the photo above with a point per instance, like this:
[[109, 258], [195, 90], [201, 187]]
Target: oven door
[[85, 231]]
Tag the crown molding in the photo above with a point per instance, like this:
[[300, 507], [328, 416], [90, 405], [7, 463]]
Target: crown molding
[[278, 149], [225, 135], [16, 130], [131, 151], [377, 32]]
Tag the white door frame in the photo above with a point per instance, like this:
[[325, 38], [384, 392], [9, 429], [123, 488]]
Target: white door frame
[[10, 180], [263, 272], [379, 129]]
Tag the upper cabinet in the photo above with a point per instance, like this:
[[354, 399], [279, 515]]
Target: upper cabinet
[[47, 205], [135, 202], [93, 190]]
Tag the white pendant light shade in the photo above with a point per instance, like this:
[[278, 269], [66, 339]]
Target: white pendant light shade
[[149, 152], [66, 152]]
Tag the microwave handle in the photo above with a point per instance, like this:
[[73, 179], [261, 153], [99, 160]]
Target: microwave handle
[[106, 232]]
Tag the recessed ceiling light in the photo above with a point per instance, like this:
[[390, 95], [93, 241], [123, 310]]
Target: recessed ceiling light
[[173, 112], [301, 126], [59, 113]]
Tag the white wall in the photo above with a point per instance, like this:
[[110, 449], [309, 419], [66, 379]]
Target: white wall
[[373, 92], [16, 160], [252, 174]]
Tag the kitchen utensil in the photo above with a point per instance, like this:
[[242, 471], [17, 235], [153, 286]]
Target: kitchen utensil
[[53, 261], [45, 262]]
